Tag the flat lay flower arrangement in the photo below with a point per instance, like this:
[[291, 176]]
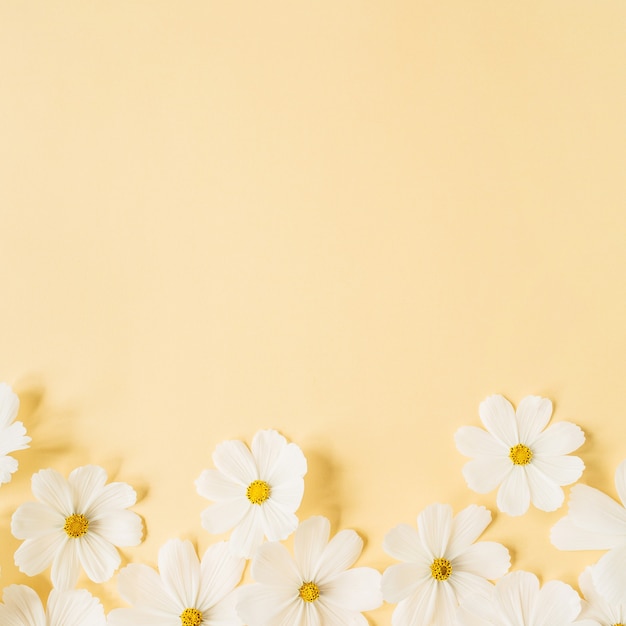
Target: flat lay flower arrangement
[[440, 573]]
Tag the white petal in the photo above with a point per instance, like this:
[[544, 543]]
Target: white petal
[[273, 565], [434, 524], [234, 459], [66, 564], [558, 439], [288, 495], [595, 511], [9, 405], [596, 607], [402, 580], [277, 524], [403, 543], [13, 437], [220, 572], [562, 470], [74, 608], [35, 519], [475, 442], [565, 535], [267, 446], [467, 526], [445, 605], [486, 558], [516, 595], [533, 414], [142, 587], [111, 498], [467, 585], [25, 605], [609, 575], [357, 589], [498, 416], [257, 604], [332, 614], [340, 554], [223, 613], [485, 474], [309, 543], [35, 555], [51, 488], [122, 528], [98, 557], [290, 465], [222, 516], [8, 467], [620, 481], [248, 534], [180, 571], [418, 609], [544, 493], [214, 485], [86, 484], [514, 494], [558, 604]]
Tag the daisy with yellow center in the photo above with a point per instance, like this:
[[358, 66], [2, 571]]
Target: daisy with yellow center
[[75, 521], [315, 586], [256, 491], [516, 452], [185, 591], [441, 565]]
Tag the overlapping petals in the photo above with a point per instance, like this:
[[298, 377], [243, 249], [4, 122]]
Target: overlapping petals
[[515, 453], [441, 564], [75, 523], [315, 587], [256, 491], [12, 434]]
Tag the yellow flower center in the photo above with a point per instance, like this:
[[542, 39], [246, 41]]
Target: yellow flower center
[[441, 569], [258, 492], [520, 454], [76, 525], [309, 592], [191, 617], [620, 624]]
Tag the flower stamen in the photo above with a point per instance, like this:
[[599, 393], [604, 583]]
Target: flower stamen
[[258, 492], [441, 569], [520, 454], [76, 525], [191, 617], [309, 592]]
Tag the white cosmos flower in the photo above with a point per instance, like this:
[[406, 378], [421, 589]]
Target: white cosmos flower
[[22, 607], [595, 607], [528, 462], [12, 434], [316, 587], [597, 522], [517, 600], [255, 491], [75, 522], [185, 592], [441, 564]]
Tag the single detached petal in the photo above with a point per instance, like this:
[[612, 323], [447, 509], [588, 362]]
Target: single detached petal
[[50, 487], [498, 416], [180, 570], [404, 543], [533, 415], [545, 494], [143, 588], [514, 494], [485, 474], [357, 589], [22, 607], [467, 526], [309, 543], [558, 439], [234, 459], [273, 566], [475, 442], [486, 558], [434, 524], [401, 580], [558, 604], [74, 608], [220, 572], [340, 554], [609, 575]]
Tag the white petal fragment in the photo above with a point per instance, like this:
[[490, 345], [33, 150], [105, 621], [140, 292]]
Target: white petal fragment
[[498, 416], [533, 414]]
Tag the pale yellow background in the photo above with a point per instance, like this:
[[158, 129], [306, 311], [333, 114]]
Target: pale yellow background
[[350, 221]]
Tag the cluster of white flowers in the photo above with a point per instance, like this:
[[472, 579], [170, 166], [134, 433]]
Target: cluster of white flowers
[[445, 576]]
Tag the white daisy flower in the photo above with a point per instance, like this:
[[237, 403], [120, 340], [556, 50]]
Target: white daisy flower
[[595, 606], [76, 522], [256, 491], [517, 600], [514, 453], [185, 592], [12, 434], [22, 607], [441, 564], [597, 522], [316, 587]]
